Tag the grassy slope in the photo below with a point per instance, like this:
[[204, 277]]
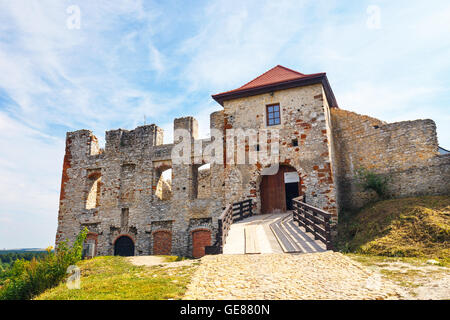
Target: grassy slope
[[410, 227], [110, 278]]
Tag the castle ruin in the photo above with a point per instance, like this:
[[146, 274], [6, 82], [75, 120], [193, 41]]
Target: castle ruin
[[121, 196]]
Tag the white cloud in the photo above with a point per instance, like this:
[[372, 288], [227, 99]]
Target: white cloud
[[157, 60], [30, 173], [238, 39]]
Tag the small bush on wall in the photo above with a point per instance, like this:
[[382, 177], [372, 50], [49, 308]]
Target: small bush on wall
[[370, 180]]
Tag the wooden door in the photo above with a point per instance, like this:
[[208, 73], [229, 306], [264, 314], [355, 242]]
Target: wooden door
[[273, 191], [200, 240], [162, 243]]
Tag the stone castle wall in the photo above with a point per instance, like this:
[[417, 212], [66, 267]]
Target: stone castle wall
[[115, 192], [406, 152]]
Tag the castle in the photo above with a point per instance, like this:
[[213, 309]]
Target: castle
[[121, 196]]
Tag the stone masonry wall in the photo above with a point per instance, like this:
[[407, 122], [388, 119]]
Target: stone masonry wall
[[405, 151], [125, 202], [303, 118]]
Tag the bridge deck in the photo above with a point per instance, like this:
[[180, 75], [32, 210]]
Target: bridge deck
[[270, 233]]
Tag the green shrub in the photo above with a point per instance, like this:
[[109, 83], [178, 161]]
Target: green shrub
[[27, 279], [369, 180]]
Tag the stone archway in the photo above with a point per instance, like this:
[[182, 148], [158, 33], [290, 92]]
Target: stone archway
[[124, 246], [278, 190]]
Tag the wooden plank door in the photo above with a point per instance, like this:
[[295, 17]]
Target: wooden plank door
[[273, 191]]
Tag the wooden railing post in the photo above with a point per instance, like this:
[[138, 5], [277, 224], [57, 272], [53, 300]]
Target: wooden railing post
[[225, 221], [314, 220]]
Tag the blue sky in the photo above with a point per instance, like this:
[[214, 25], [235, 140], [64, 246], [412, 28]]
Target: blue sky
[[164, 59]]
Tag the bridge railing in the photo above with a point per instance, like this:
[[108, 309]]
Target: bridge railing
[[314, 220], [233, 212]]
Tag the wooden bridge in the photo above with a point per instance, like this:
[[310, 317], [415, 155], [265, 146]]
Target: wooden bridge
[[306, 229]]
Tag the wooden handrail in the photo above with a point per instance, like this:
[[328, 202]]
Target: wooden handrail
[[314, 220], [233, 212]]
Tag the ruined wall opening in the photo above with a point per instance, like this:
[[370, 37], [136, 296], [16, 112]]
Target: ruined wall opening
[[202, 181], [94, 183], [163, 178]]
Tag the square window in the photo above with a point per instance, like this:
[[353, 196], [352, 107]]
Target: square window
[[273, 114]]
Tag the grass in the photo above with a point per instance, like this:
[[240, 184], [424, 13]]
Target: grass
[[115, 278], [410, 227]]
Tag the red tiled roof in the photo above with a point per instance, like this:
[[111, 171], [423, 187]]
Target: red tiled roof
[[278, 74], [278, 78]]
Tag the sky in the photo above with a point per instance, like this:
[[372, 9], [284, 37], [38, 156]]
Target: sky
[[102, 65]]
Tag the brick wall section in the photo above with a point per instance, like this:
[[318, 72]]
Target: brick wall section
[[406, 151]]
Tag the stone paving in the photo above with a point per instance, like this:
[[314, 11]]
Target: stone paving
[[326, 275]]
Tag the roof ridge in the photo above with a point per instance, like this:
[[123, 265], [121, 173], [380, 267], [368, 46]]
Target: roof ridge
[[258, 77], [262, 75], [302, 74]]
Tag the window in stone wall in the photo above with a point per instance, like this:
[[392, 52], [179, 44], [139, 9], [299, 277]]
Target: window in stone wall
[[273, 114], [94, 178], [164, 184]]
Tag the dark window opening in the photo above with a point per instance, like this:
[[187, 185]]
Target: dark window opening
[[295, 143]]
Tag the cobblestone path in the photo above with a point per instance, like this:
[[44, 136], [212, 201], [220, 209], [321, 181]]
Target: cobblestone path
[[326, 275]]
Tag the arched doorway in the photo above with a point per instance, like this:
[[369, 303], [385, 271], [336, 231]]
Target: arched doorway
[[124, 246], [278, 190]]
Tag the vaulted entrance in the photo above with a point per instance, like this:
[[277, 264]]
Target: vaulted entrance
[[278, 190], [124, 246]]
